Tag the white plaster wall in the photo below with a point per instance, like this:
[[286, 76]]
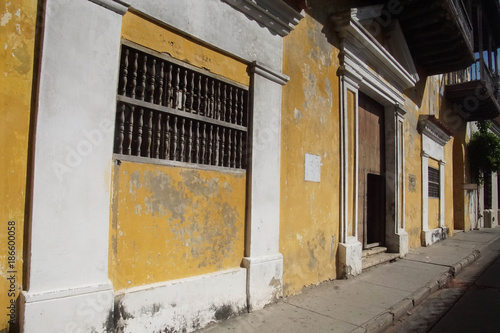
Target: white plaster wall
[[217, 23], [88, 311], [73, 149], [182, 305]]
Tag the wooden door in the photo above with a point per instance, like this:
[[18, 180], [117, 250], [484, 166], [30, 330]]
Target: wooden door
[[371, 172]]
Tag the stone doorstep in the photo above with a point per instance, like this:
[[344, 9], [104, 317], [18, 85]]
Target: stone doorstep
[[378, 259], [374, 251]]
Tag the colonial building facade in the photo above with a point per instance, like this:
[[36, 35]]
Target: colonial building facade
[[175, 163]]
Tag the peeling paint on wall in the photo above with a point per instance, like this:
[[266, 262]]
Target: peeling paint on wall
[[148, 34], [310, 123], [171, 222], [17, 38]]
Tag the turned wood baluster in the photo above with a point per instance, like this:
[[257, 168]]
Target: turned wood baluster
[[152, 82], [184, 89], [160, 84], [191, 93], [149, 133], [198, 104], [174, 140], [223, 147], [210, 144], [229, 147], [217, 101], [197, 146], [166, 142], [190, 141], [230, 105], [242, 108], [212, 100], [223, 103], [182, 153], [121, 128], [142, 91], [123, 90], [158, 136], [242, 150], [220, 150], [130, 131], [205, 98], [169, 94], [138, 138], [238, 149], [178, 92], [135, 67], [203, 139], [236, 107], [234, 148], [216, 143]]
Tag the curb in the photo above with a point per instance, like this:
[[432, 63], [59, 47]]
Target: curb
[[401, 309]]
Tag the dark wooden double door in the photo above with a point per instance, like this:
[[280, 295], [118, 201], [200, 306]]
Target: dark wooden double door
[[371, 172]]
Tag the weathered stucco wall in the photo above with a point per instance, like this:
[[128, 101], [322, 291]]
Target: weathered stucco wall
[[310, 124], [426, 98], [172, 222], [433, 202], [17, 37], [156, 37]]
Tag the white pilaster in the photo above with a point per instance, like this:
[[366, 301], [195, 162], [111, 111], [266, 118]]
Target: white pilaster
[[425, 192], [350, 249], [441, 193], [434, 138], [262, 258], [68, 289]]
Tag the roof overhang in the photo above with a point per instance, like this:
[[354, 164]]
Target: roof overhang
[[276, 15]]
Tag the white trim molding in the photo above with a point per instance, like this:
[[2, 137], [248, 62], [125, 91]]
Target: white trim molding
[[117, 6], [262, 259], [390, 74], [435, 135], [385, 83]]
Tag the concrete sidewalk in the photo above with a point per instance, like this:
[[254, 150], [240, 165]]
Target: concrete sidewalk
[[371, 301]]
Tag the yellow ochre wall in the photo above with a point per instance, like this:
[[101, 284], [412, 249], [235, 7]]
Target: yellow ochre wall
[[155, 37], [309, 223], [425, 98], [17, 38], [174, 222], [433, 208]]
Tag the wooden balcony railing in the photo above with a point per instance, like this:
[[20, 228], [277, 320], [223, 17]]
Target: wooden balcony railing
[[479, 71], [463, 20]]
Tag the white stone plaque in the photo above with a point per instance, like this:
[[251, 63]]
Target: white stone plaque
[[313, 168]]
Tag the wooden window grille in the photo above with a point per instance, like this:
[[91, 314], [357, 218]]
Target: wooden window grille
[[169, 110], [434, 182]]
